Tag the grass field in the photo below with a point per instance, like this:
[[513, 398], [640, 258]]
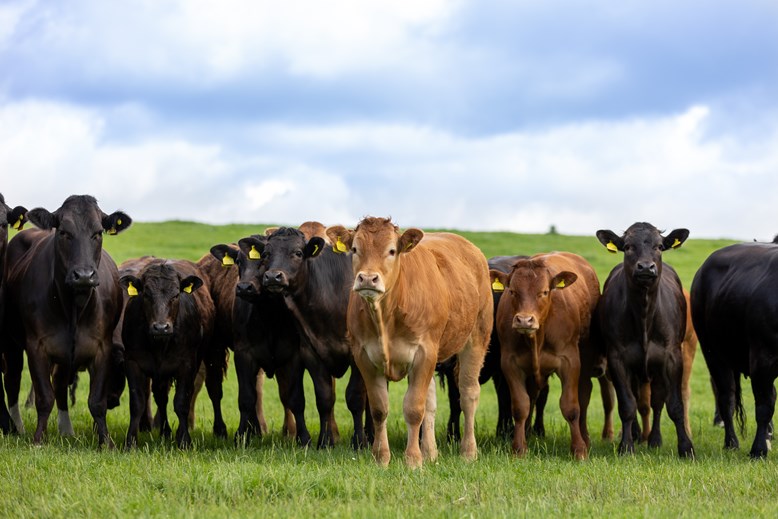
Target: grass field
[[273, 477]]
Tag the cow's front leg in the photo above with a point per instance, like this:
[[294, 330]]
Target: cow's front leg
[[414, 408], [569, 373], [378, 396], [520, 401], [44, 394], [98, 395]]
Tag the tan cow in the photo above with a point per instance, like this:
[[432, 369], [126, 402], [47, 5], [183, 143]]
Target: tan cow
[[418, 299], [543, 323]]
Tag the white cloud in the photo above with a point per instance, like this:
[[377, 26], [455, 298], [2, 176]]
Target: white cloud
[[579, 177]]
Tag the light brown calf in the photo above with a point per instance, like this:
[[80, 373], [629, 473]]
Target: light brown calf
[[417, 300], [543, 323]]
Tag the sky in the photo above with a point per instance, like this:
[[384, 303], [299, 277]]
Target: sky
[[471, 114]]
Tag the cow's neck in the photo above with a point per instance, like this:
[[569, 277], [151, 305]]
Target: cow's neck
[[641, 302]]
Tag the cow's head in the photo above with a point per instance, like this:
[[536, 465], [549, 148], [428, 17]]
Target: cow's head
[[80, 225], [377, 247], [15, 218], [642, 245], [161, 287], [247, 258], [527, 292], [284, 256]]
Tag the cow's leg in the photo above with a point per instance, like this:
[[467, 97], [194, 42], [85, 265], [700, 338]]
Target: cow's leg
[[14, 357], [429, 447], [689, 350], [584, 398], [289, 427], [644, 401], [214, 378], [5, 416], [146, 418], [626, 399], [40, 372], [471, 360], [160, 387], [520, 400], [324, 391], [504, 417], [539, 426], [675, 405], [569, 373], [726, 390], [378, 397], [182, 403], [356, 401], [658, 393], [199, 381], [137, 384], [98, 393], [60, 379], [260, 397], [295, 397], [608, 395], [415, 408], [764, 402], [246, 369], [453, 432]]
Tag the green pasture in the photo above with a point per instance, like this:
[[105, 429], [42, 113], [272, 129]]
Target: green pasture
[[273, 477]]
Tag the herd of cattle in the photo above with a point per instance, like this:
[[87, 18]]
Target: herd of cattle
[[388, 305]]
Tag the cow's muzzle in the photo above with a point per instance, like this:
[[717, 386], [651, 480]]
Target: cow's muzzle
[[369, 285], [275, 281], [161, 330], [247, 291], [525, 324], [81, 279]]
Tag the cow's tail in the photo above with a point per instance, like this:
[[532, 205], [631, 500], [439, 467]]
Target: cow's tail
[[740, 413]]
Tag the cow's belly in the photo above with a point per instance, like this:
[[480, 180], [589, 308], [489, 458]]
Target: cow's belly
[[57, 347], [401, 355]]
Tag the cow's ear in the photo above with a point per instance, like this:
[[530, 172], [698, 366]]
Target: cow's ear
[[563, 280], [611, 240], [190, 283], [253, 247], [675, 239], [314, 247], [271, 230], [499, 280], [341, 238], [131, 284], [115, 223], [226, 254], [17, 217], [43, 219], [409, 240]]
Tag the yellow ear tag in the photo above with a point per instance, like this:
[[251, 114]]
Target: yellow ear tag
[[227, 260], [497, 286], [315, 249], [118, 221], [561, 284], [676, 243], [18, 223], [112, 231], [340, 247], [131, 290], [253, 253], [612, 247], [188, 289]]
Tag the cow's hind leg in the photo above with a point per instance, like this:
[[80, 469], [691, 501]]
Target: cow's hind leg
[[675, 409], [60, 379], [214, 378], [356, 400], [471, 359], [14, 357], [764, 402]]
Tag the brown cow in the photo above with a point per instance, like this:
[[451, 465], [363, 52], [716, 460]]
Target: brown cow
[[543, 323], [417, 299]]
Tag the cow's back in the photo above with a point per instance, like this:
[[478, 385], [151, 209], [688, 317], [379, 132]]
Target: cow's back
[[734, 304], [448, 278]]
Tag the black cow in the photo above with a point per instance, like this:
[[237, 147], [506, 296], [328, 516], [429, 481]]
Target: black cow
[[64, 302], [641, 319], [734, 308], [14, 217], [265, 337], [314, 282], [166, 332]]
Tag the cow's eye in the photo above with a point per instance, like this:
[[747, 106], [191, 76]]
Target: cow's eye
[[65, 235], [354, 250], [544, 293], [392, 252], [298, 253]]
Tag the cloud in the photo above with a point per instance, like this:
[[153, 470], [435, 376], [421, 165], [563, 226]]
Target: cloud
[[578, 177]]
